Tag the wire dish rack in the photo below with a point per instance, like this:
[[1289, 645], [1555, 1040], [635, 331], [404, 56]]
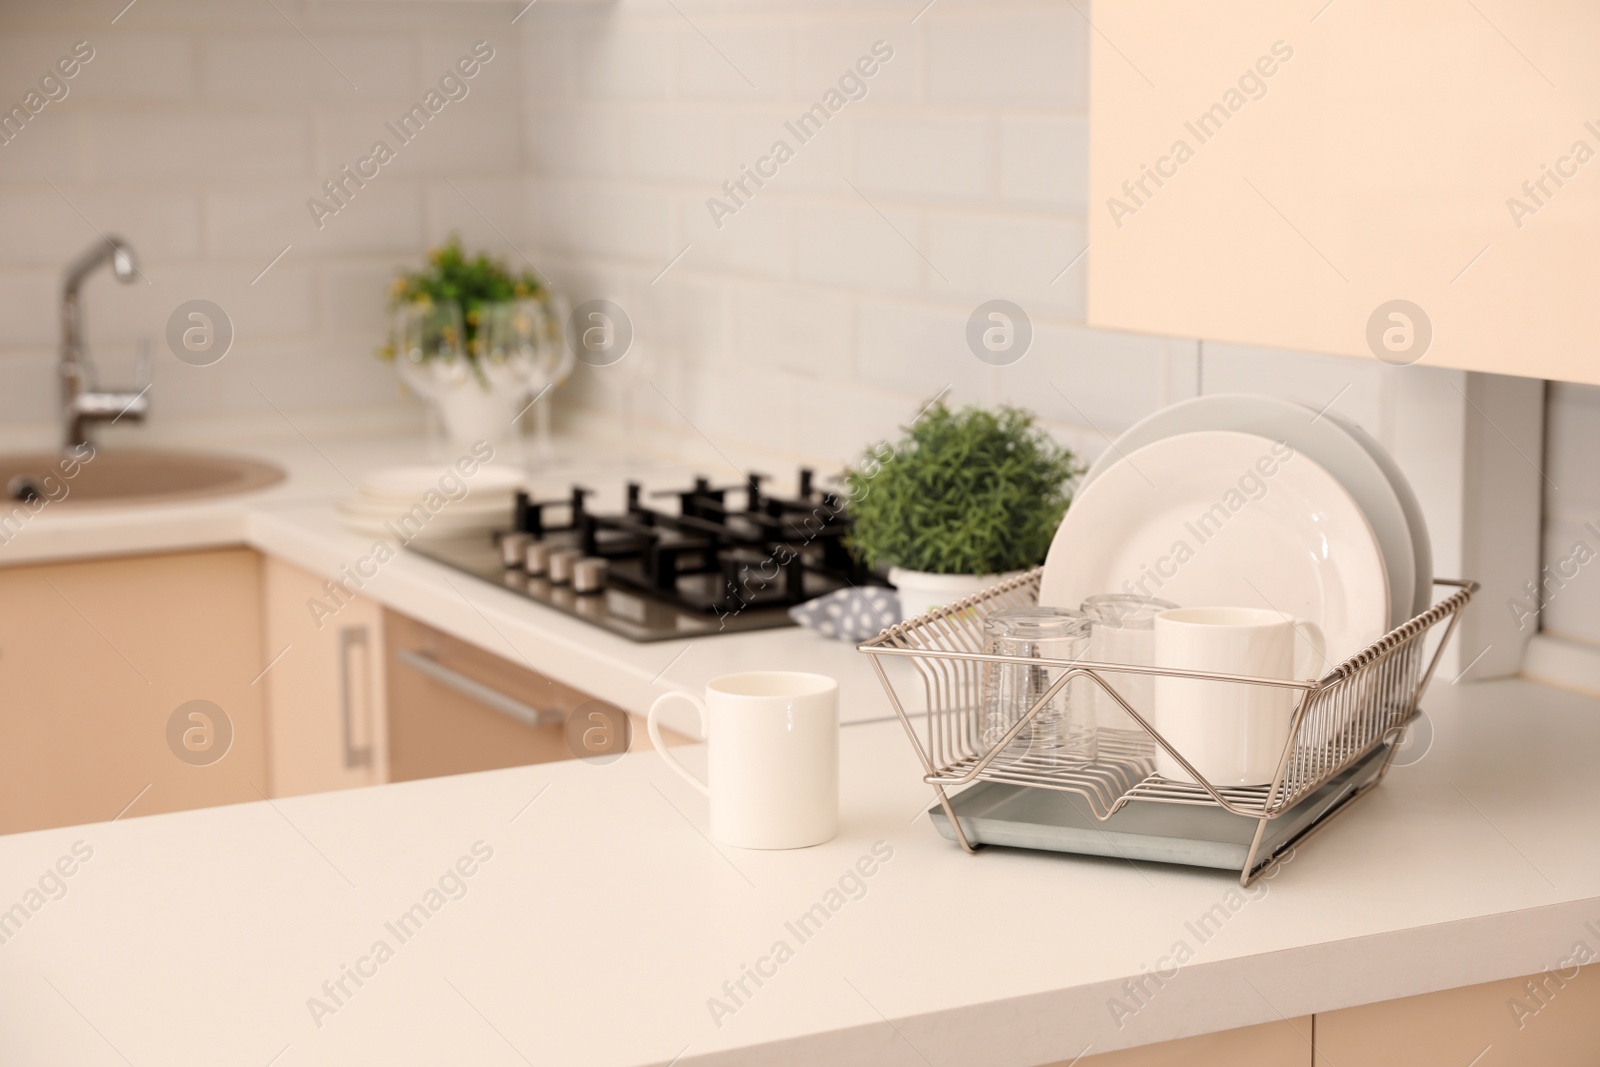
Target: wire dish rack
[[1338, 721]]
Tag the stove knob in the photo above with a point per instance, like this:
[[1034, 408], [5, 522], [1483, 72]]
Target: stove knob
[[536, 558], [589, 575], [512, 545], [561, 563]]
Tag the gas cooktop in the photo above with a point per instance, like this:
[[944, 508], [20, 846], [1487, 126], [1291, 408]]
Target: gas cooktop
[[650, 574]]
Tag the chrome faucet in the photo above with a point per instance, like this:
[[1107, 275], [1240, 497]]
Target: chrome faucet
[[81, 402]]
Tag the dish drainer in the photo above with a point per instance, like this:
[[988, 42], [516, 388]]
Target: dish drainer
[[1339, 721]]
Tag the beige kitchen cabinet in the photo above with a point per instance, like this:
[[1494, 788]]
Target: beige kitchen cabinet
[[1545, 1020], [1286, 1043], [326, 718], [98, 661], [455, 708], [1278, 174]]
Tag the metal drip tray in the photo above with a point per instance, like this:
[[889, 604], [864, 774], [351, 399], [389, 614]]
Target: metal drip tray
[[1021, 816]]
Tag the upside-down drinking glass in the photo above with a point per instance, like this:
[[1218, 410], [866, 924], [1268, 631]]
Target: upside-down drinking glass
[[1063, 732]]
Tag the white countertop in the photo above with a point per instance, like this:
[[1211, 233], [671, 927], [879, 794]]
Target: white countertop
[[296, 521], [605, 919]]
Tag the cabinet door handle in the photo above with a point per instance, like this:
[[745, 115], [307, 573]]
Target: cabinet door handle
[[350, 677], [510, 707]]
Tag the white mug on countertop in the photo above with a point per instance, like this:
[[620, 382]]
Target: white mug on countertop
[[772, 766], [1234, 733]]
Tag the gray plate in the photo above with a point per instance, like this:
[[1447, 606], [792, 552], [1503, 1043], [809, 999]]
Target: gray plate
[[995, 813]]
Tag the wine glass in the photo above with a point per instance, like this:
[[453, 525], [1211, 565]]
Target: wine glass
[[430, 353], [526, 337]]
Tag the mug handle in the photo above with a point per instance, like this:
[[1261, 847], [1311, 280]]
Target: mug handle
[[654, 727], [1310, 652]]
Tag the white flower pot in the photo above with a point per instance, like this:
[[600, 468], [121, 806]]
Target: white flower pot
[[922, 591], [470, 411]]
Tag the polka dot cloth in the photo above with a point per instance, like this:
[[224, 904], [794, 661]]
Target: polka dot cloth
[[849, 614]]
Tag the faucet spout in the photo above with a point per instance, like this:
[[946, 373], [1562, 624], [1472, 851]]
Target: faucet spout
[[80, 402]]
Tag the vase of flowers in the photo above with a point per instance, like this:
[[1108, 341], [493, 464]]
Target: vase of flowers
[[963, 500], [476, 341]]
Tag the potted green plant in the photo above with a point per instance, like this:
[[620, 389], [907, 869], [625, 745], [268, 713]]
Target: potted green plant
[[963, 500], [474, 338]]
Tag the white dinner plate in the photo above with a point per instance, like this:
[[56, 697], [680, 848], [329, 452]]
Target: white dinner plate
[[444, 523], [1408, 558], [1224, 519], [414, 481], [1420, 541], [493, 509]]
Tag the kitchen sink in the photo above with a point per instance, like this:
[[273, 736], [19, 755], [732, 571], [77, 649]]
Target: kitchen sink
[[129, 477]]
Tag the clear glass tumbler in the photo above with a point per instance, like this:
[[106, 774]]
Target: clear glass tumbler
[[1063, 732], [1124, 632]]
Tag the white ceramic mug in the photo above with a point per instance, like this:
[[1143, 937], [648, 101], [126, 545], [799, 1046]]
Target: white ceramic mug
[[773, 757], [1233, 733]]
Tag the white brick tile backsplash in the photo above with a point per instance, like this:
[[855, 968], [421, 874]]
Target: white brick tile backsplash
[[1016, 258], [615, 63], [833, 425], [576, 140], [857, 246], [1096, 378], [186, 147], [281, 305], [500, 78], [352, 297], [733, 63], [610, 220], [40, 228], [680, 316], [482, 131], [950, 160], [1574, 609], [1309, 379], [45, 150], [1044, 162], [754, 239], [32, 384], [255, 223], [819, 164], [28, 299], [341, 65], [1025, 59], [802, 331], [918, 350], [676, 146], [162, 225], [823, 55], [1572, 449], [487, 213], [133, 67]]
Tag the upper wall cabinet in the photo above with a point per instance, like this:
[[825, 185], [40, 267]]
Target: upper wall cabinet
[[1415, 181]]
